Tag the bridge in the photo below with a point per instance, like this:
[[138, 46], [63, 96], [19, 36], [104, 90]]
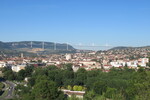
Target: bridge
[[93, 47], [77, 46]]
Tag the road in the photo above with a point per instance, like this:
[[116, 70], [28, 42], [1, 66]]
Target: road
[[10, 88]]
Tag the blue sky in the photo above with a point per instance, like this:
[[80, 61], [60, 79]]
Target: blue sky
[[115, 22]]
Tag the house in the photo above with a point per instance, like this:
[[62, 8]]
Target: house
[[2, 64], [68, 56], [17, 68], [78, 94], [88, 63], [75, 68], [107, 67]]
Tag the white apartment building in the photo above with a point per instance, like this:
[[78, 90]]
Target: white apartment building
[[118, 63], [133, 64], [121, 63], [143, 61]]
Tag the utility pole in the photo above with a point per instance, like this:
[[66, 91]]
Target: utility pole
[[67, 47], [55, 47], [31, 44], [43, 45], [107, 46]]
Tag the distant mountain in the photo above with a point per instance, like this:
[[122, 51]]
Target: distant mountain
[[131, 53], [36, 46], [120, 47], [123, 47]]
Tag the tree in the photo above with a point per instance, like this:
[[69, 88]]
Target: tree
[[68, 67], [45, 90], [99, 87], [75, 88], [90, 95], [8, 74], [73, 97], [31, 81], [52, 67], [80, 88], [110, 92], [27, 96], [81, 77], [69, 87], [23, 92], [29, 70], [21, 75]]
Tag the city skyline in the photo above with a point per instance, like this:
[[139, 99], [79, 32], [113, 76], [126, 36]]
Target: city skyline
[[117, 23]]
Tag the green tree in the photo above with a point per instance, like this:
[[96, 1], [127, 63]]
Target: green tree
[[90, 95], [69, 87], [8, 74], [75, 88], [21, 75], [81, 77], [80, 88], [110, 92], [68, 67], [45, 90], [99, 87]]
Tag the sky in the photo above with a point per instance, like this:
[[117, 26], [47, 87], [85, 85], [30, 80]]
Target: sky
[[99, 22]]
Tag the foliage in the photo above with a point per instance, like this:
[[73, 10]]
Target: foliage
[[73, 97], [69, 87], [8, 74], [20, 76], [111, 92], [45, 89], [118, 84]]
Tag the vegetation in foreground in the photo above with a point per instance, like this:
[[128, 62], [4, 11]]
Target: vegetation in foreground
[[46, 83]]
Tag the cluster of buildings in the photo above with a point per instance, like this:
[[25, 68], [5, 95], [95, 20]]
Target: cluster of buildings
[[13, 65], [104, 60], [135, 64]]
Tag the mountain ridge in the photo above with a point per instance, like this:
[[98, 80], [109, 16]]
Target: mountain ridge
[[37, 46], [129, 47]]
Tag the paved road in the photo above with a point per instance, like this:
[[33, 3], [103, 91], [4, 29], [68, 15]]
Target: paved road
[[10, 88]]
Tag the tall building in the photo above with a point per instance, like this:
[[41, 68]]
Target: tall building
[[68, 56], [21, 55]]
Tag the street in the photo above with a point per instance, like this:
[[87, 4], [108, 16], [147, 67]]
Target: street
[[10, 88]]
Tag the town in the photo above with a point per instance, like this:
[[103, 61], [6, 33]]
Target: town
[[104, 60]]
